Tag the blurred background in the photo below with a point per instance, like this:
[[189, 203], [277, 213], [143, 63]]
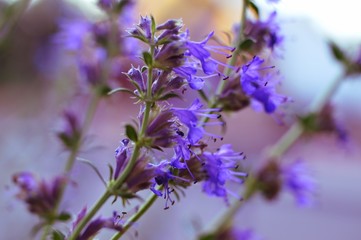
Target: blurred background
[[37, 83]]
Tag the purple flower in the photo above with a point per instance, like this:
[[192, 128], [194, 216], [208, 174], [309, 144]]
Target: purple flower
[[97, 224], [298, 181], [137, 77], [79, 37], [260, 88], [71, 131], [41, 197], [73, 34], [122, 154], [220, 167], [143, 30], [200, 52], [264, 33], [140, 176], [163, 176], [188, 117], [162, 130], [188, 72]]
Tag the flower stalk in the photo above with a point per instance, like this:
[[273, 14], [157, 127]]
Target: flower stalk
[[275, 152]]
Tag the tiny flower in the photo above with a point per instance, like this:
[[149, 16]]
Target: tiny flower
[[97, 224], [41, 197], [137, 77], [220, 167], [299, 182], [73, 34], [140, 176], [264, 33], [163, 177], [171, 24], [143, 30], [260, 88], [165, 83], [188, 117], [199, 51], [70, 134], [79, 38], [161, 130], [171, 55]]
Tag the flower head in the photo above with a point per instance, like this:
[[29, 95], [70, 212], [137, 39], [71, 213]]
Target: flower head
[[97, 224], [41, 197], [298, 181], [220, 167], [162, 178], [264, 33], [140, 176], [260, 88], [189, 117]]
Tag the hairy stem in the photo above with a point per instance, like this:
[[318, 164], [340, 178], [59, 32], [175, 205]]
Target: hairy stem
[[136, 151]]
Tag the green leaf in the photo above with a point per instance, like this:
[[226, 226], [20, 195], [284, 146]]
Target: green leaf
[[111, 171], [153, 24], [168, 96], [207, 237], [337, 52], [148, 59], [143, 69], [64, 216], [120, 89], [246, 44], [131, 133], [57, 235], [103, 90], [254, 9]]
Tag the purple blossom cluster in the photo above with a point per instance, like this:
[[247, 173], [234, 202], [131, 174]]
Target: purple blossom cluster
[[168, 148]]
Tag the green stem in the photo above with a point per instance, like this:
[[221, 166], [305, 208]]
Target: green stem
[[146, 205], [85, 126], [74, 151], [45, 232], [90, 215], [277, 150], [122, 178], [231, 62], [296, 130]]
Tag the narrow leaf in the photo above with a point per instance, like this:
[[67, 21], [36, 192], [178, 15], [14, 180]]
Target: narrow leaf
[[64, 216], [253, 8], [246, 44], [153, 24], [168, 96], [57, 235], [337, 52], [115, 90], [147, 57], [131, 133]]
